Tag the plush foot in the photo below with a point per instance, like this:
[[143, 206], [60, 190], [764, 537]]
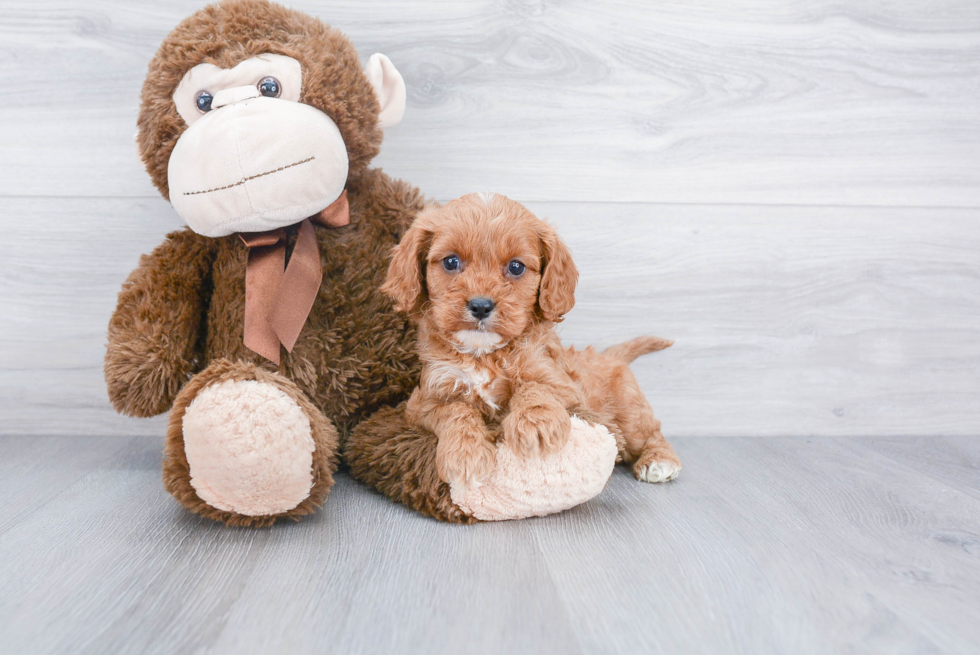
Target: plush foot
[[520, 486], [248, 447]]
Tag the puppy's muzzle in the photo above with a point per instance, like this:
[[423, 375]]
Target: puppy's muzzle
[[480, 308]]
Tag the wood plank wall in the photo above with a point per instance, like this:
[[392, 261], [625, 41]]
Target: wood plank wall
[[791, 190]]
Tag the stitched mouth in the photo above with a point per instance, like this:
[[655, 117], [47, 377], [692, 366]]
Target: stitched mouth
[[251, 177]]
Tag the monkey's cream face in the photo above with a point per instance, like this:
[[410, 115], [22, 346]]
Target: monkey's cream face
[[253, 157]]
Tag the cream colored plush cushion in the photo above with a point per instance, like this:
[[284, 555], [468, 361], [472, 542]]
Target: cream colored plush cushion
[[521, 487]]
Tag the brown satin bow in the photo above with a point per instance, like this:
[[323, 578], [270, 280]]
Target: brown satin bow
[[278, 298]]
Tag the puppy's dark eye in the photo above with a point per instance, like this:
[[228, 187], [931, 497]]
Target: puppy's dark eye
[[269, 87], [451, 263], [516, 268], [203, 101]]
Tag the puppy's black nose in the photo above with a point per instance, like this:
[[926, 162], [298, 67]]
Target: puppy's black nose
[[480, 308]]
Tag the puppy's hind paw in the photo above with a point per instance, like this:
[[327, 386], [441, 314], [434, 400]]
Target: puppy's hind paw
[[657, 471]]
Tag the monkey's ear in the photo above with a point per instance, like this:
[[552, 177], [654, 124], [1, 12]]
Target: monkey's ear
[[389, 86]]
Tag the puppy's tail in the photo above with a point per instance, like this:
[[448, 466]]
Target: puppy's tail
[[630, 350]]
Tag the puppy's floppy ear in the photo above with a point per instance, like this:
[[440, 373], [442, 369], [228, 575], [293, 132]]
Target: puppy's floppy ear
[[405, 282], [556, 295]]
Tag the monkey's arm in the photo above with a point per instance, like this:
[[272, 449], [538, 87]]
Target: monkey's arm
[[155, 339]]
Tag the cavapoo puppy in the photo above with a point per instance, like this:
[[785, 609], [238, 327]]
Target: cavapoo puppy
[[487, 281]]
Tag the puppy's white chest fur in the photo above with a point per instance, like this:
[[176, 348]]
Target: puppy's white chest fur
[[472, 379]]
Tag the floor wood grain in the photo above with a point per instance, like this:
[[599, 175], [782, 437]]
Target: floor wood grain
[[952, 462], [763, 545], [35, 469]]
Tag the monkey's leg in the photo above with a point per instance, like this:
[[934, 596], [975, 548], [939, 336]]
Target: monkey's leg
[[398, 459], [245, 446]]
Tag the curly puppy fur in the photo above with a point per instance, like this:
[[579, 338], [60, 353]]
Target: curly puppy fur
[[507, 363], [183, 307]]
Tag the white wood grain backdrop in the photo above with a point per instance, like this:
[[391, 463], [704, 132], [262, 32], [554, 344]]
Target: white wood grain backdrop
[[789, 189]]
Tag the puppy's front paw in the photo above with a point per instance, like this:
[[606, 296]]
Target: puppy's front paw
[[543, 427], [466, 459]]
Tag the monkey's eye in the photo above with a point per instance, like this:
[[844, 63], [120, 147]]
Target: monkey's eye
[[203, 101], [515, 268], [269, 87], [451, 263]]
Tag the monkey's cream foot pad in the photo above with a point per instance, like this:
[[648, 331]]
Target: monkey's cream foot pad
[[520, 487], [249, 447]]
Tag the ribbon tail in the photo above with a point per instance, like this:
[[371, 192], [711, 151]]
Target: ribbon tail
[[263, 279], [298, 288]]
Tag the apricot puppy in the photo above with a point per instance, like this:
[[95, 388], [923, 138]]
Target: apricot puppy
[[487, 281]]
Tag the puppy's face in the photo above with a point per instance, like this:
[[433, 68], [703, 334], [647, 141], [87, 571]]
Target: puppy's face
[[482, 275], [480, 270]]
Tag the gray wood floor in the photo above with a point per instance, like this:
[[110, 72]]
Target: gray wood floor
[[763, 545]]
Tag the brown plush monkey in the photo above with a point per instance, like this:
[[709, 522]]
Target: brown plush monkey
[[261, 327]]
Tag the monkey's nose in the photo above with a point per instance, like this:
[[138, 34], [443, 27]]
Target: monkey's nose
[[480, 308]]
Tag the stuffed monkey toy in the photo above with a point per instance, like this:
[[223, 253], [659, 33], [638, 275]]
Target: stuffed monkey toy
[[260, 326]]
